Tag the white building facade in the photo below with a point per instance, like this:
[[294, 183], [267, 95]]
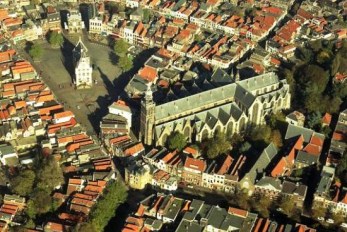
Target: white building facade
[[83, 69]]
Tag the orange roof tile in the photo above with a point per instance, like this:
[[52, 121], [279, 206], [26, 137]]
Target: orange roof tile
[[134, 149], [238, 212], [338, 136], [148, 73], [20, 104], [313, 149], [190, 150], [279, 168], [199, 165], [316, 141], [3, 14], [226, 165], [326, 119], [45, 98], [64, 114]]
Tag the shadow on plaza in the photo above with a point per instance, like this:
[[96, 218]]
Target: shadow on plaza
[[115, 90], [66, 51], [125, 77], [102, 102]]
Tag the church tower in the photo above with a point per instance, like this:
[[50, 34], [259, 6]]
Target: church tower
[[147, 117], [83, 69]]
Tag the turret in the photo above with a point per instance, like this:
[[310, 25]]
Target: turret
[[147, 116]]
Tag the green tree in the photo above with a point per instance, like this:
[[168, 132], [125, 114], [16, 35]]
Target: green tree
[[338, 218], [85, 227], [314, 120], [287, 206], [261, 136], [36, 51], [217, 146], [317, 212], [121, 47], [241, 199], [17, 229], [177, 141], [304, 54], [276, 138], [236, 139], [23, 183], [55, 39], [50, 175], [125, 63], [276, 119], [39, 203], [105, 209], [245, 147], [147, 15], [341, 169], [335, 65], [263, 204]]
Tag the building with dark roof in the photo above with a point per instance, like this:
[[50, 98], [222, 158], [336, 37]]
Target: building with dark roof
[[230, 108]]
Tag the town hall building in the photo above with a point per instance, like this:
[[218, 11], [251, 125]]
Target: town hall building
[[230, 109], [83, 70]]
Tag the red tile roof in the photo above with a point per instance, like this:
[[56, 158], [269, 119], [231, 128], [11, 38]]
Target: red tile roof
[[148, 73], [196, 164], [326, 119]]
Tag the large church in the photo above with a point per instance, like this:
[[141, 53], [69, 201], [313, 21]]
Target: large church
[[230, 109], [83, 69]]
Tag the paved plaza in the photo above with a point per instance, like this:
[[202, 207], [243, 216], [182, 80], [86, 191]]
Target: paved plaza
[[89, 105]]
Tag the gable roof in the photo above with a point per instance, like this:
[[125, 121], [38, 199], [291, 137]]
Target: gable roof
[[196, 164]]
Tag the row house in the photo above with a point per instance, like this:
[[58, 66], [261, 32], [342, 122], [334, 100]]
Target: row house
[[193, 170], [164, 181], [274, 188], [338, 143], [214, 177], [96, 25]]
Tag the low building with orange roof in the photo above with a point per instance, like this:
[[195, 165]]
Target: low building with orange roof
[[192, 170], [148, 73], [23, 70], [6, 56], [191, 151], [326, 120], [135, 150], [20, 104], [62, 117], [3, 14]]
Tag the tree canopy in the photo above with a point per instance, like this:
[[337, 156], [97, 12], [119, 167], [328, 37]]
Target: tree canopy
[[120, 47], [311, 78], [217, 146], [177, 141], [115, 194], [85, 227], [23, 183], [36, 51], [125, 63], [55, 39], [40, 203], [51, 175]]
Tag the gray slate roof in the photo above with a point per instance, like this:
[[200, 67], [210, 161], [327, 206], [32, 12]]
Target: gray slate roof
[[240, 92], [306, 158], [268, 180], [294, 131], [263, 161]]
